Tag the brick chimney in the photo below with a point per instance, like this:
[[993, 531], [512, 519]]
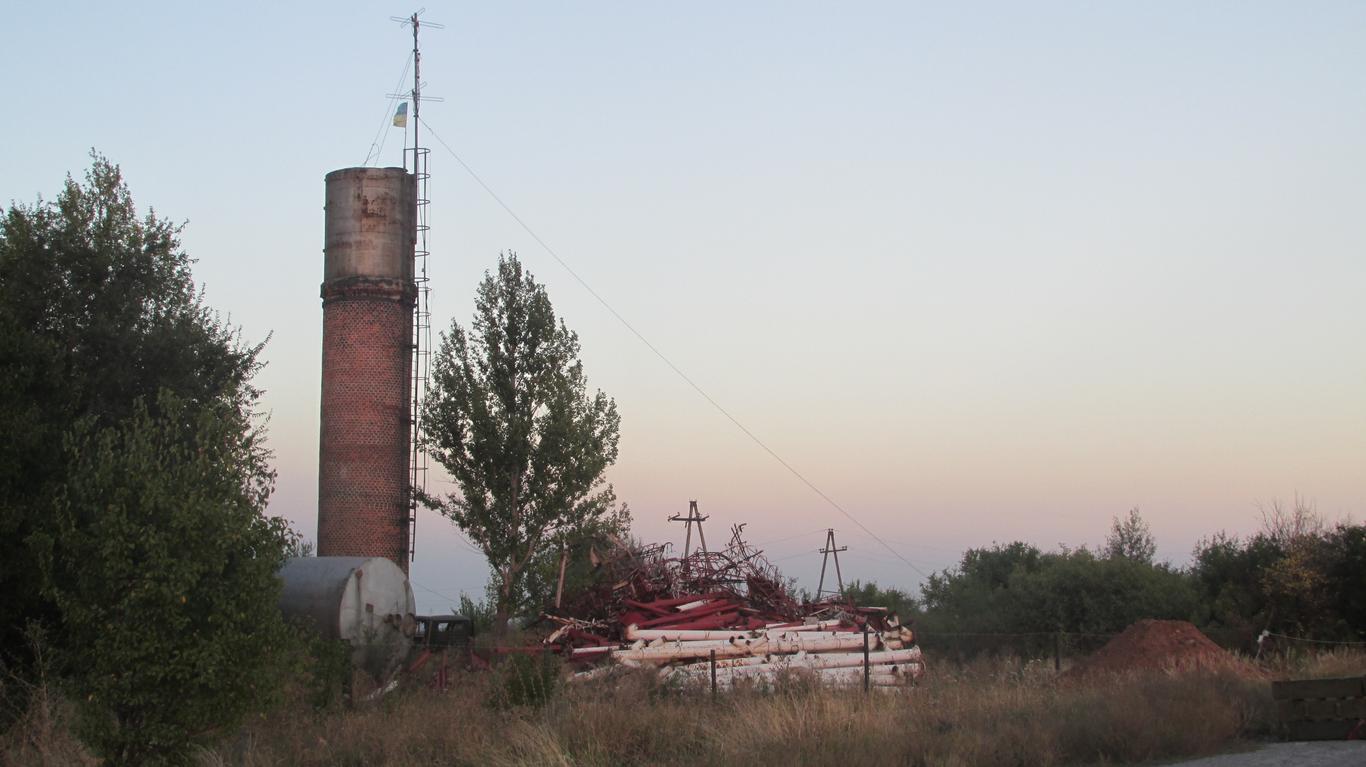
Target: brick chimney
[[368, 295]]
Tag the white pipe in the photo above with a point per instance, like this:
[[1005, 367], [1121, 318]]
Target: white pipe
[[689, 635], [770, 671], [912, 667], [592, 650], [840, 676], [817, 626], [822, 626], [726, 676], [665, 649], [726, 641], [780, 646], [634, 632], [815, 660], [748, 660]]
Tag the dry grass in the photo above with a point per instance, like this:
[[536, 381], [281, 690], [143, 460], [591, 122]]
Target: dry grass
[[1327, 664], [42, 733], [986, 714], [983, 715]]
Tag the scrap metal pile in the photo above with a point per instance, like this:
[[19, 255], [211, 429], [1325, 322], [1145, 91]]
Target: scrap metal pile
[[731, 608]]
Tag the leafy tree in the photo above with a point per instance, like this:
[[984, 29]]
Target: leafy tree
[[133, 475], [1078, 592], [976, 596], [1228, 574], [510, 419], [162, 565], [480, 613], [1296, 590], [1296, 584], [1131, 539], [580, 547], [869, 593], [1287, 524], [996, 566], [1346, 556], [97, 311], [1017, 589], [1296, 577]]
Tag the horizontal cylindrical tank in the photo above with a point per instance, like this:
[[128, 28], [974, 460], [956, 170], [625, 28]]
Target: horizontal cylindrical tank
[[365, 601]]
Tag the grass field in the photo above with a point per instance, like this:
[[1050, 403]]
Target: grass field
[[988, 713]]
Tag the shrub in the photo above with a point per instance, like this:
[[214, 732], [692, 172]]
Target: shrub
[[526, 680], [163, 568]]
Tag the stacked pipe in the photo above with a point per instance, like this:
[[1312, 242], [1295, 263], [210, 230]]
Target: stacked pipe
[[681, 642]]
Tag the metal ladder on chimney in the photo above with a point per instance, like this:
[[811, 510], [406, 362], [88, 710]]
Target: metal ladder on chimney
[[422, 348]]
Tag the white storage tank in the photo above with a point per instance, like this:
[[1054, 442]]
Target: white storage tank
[[365, 601]]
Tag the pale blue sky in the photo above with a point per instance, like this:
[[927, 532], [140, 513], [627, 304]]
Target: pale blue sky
[[980, 271]]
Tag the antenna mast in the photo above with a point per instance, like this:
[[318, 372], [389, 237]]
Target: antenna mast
[[422, 316], [417, 90]]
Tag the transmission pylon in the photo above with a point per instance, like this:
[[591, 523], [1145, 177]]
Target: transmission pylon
[[829, 550], [693, 518]]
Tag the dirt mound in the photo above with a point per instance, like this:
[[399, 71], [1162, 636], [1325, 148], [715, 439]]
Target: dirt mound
[[1153, 645]]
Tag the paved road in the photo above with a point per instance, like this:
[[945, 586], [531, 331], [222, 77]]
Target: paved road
[[1324, 753]]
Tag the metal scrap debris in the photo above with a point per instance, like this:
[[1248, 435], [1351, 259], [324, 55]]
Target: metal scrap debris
[[721, 617]]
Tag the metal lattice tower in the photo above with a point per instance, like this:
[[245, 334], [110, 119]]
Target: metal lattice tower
[[422, 317]]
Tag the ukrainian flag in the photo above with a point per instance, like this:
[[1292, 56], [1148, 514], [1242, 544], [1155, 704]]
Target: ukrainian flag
[[401, 116]]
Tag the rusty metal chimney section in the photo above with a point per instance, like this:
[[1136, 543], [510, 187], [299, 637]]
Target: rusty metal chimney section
[[368, 295]]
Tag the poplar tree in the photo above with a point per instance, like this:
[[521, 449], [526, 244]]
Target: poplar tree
[[510, 418]]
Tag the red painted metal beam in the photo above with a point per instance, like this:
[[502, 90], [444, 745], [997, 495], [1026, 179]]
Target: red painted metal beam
[[715, 607], [714, 621]]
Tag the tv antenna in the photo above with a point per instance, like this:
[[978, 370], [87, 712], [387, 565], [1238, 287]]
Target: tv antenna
[[415, 94]]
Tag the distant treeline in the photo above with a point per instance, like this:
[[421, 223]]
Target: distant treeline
[[1297, 577]]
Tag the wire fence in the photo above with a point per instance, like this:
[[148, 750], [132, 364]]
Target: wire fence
[[960, 647], [1053, 646]]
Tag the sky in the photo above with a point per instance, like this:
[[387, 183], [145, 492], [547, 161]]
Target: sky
[[979, 272]]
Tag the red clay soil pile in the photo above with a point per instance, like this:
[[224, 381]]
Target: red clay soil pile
[[1152, 645]]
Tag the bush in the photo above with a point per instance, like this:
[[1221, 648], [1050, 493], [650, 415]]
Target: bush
[[327, 670], [163, 568], [526, 680]]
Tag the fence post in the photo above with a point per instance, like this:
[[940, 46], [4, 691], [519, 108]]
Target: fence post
[[867, 669], [713, 674], [1057, 651]]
